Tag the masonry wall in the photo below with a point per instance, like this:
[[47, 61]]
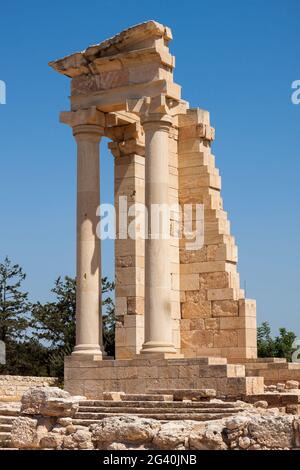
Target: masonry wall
[[216, 319], [129, 181], [210, 315], [273, 370], [13, 386], [91, 378]]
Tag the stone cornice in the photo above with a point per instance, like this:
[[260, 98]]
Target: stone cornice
[[146, 38]]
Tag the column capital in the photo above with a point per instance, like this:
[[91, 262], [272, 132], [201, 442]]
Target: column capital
[[85, 122], [157, 109], [126, 140]]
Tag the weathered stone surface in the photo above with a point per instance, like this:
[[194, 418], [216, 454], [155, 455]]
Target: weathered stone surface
[[51, 441], [173, 434], [225, 308], [124, 429], [217, 280], [24, 433], [244, 442], [49, 401], [64, 421], [237, 422], [200, 309], [292, 384], [207, 436], [12, 387], [261, 404], [272, 431], [296, 426], [281, 387], [251, 429], [80, 439], [195, 296]]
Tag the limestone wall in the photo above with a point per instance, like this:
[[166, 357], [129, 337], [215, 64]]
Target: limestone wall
[[210, 315], [128, 151], [216, 319], [91, 378], [13, 386], [273, 370], [129, 167]]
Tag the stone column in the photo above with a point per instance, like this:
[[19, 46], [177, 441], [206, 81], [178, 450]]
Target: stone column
[[88, 127], [158, 323], [128, 149]]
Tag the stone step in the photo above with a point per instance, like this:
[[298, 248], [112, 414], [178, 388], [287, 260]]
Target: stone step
[[119, 396], [158, 416], [154, 409], [4, 436], [5, 445], [147, 397], [150, 404], [9, 412], [5, 427], [275, 399], [6, 419], [144, 411], [188, 394]]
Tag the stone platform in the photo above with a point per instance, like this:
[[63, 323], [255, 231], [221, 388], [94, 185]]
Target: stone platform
[[274, 369], [89, 376]]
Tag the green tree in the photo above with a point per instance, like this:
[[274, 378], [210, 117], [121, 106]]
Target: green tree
[[14, 303], [284, 344], [280, 346], [27, 358], [109, 319], [53, 323], [265, 343]]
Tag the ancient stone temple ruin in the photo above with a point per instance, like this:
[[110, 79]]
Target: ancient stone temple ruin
[[181, 314]]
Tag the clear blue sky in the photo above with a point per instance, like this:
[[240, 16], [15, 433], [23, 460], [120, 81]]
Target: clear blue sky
[[235, 58]]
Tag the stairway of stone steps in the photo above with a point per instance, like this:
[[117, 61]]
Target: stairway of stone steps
[[151, 406], [7, 415]]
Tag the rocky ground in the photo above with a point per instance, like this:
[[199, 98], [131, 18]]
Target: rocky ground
[[46, 422], [249, 430]]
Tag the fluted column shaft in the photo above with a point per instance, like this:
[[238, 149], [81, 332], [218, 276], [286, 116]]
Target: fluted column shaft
[[158, 326], [88, 286]]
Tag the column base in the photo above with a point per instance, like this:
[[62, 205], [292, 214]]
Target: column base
[[88, 350], [154, 347], [158, 355]]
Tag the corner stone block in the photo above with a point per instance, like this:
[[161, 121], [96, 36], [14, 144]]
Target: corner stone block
[[247, 308]]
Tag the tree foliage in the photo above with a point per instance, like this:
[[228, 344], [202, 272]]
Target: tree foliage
[[39, 335], [109, 319], [280, 346], [53, 323], [14, 303]]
